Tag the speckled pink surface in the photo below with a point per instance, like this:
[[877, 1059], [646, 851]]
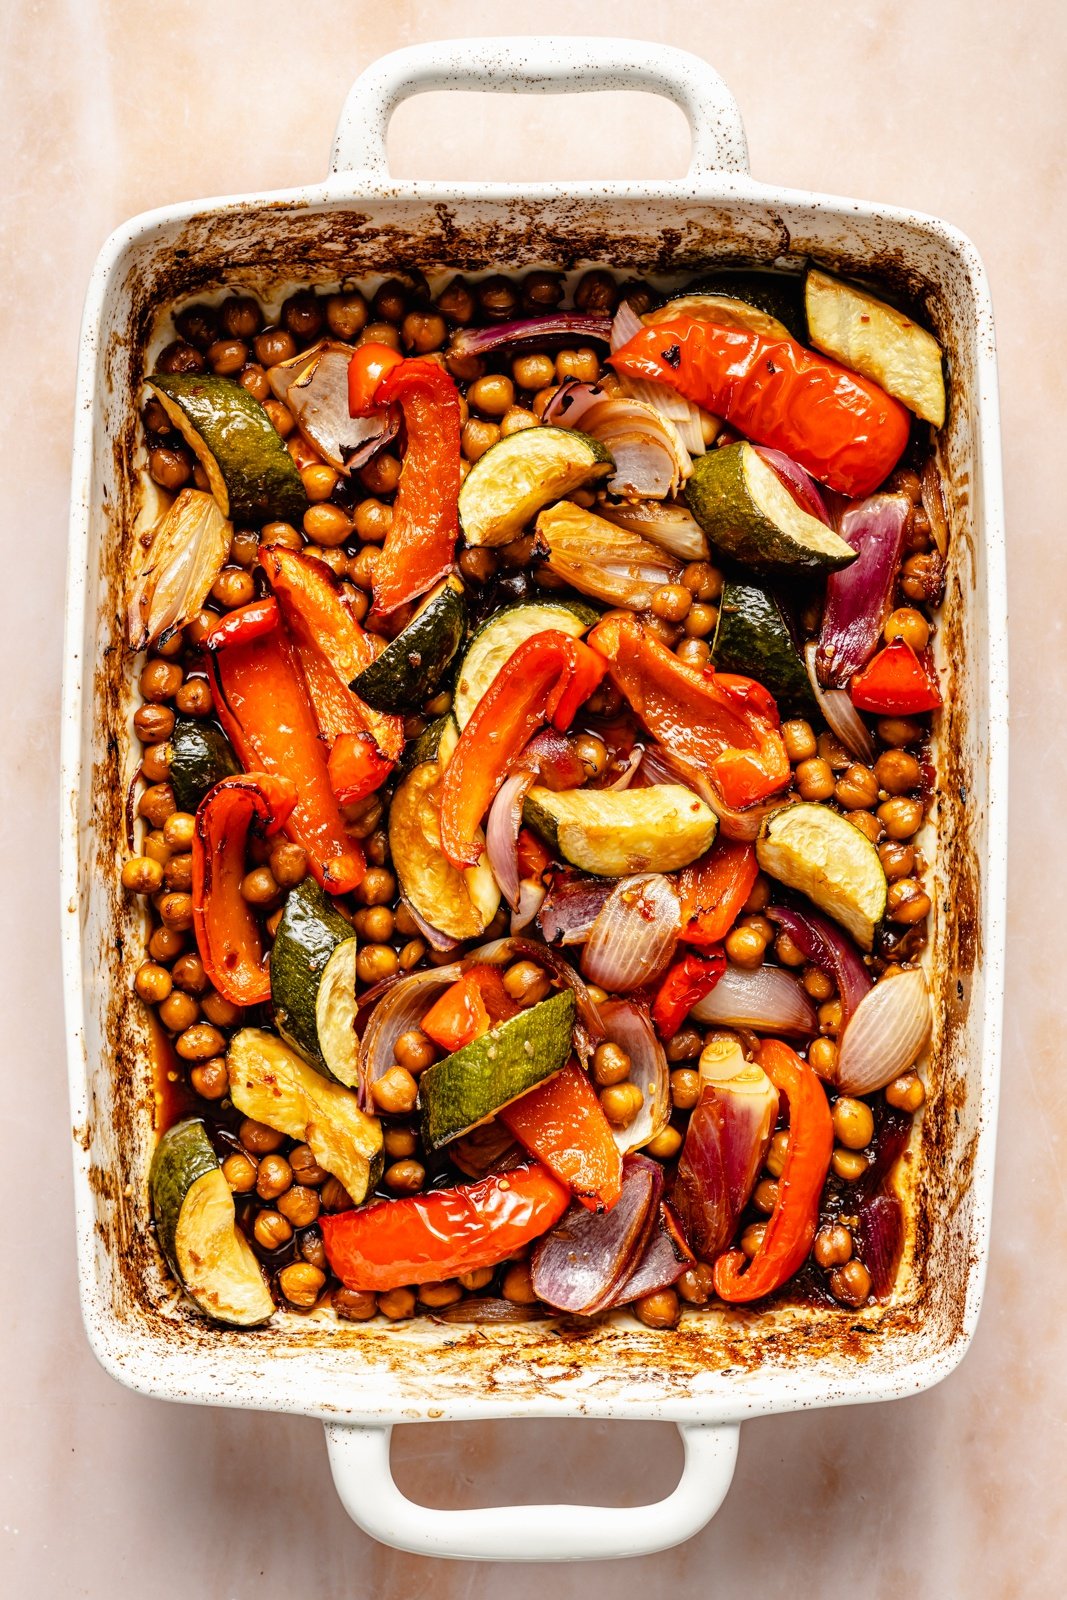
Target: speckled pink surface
[[107, 109]]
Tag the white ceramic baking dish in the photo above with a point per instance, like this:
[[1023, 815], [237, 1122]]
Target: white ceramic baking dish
[[716, 1369]]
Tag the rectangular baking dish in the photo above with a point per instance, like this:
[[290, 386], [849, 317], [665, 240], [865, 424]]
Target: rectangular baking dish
[[716, 1368]]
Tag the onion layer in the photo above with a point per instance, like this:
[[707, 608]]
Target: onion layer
[[673, 527], [561, 324], [886, 1033], [634, 936], [768, 1000], [802, 487], [190, 542], [587, 1255], [628, 1025], [840, 715], [603, 560], [665, 1257], [314, 385], [680, 412], [830, 949], [650, 459], [571, 907], [502, 834], [859, 598]]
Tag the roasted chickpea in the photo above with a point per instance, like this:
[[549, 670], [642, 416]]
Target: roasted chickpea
[[354, 1305], [372, 520], [227, 356], [478, 437], [799, 740], [258, 1138], [788, 953], [142, 875], [817, 983], [178, 1011], [189, 974], [494, 394], [611, 1064], [477, 565], [283, 422], [395, 1092], [271, 1231], [319, 480], [155, 763], [210, 1079], [153, 724], [436, 1295], [857, 788], [541, 291], [671, 602], [822, 1057], [255, 380], [659, 1310], [405, 1177], [815, 779], [375, 962], [180, 357], [666, 1145], [701, 620], [200, 1042], [275, 1177], [152, 983], [830, 1016], [178, 873], [335, 1197], [694, 653], [223, 1013], [397, 1304], [752, 1238], [746, 946], [169, 468], [853, 1123], [194, 698], [381, 474], [378, 886], [362, 567], [922, 575], [526, 983], [327, 525], [910, 625], [897, 772], [685, 1089], [906, 1093], [176, 910], [517, 1284], [621, 1103], [907, 901], [583, 364], [297, 1204], [833, 1246], [381, 333], [685, 1046], [240, 1172], [900, 817], [165, 943], [703, 580], [696, 1284], [533, 371], [498, 296], [423, 331], [160, 680], [776, 1154], [848, 1165], [851, 1284], [259, 887], [303, 315], [866, 823], [898, 860], [301, 1284]]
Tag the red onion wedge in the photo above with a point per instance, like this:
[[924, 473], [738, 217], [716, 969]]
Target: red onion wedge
[[578, 1265], [660, 765], [502, 833], [487, 1148], [531, 898], [484, 1311], [571, 907], [189, 544], [553, 759], [401, 1007], [839, 714], [829, 948], [601, 559], [768, 1000], [628, 1025], [651, 462], [672, 526], [725, 1145], [633, 938], [803, 488], [934, 505], [314, 385], [666, 1256], [860, 597], [885, 1033], [560, 325], [880, 1241], [680, 412]]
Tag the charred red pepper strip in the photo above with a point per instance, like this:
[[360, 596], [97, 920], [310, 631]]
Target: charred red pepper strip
[[227, 933], [725, 725], [356, 767], [249, 623], [840, 427], [420, 544], [895, 683], [791, 1228], [332, 647], [562, 1123], [714, 889], [470, 1007], [425, 1237], [688, 981], [534, 859], [547, 670], [263, 706]]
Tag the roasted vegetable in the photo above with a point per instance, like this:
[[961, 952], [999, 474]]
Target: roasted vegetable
[[200, 757], [753, 637], [865, 334], [313, 982], [498, 638], [508, 485], [818, 852], [411, 666], [748, 513], [613, 832], [189, 544]]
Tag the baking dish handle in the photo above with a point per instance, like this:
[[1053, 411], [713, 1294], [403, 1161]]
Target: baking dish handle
[[359, 1460], [541, 66]]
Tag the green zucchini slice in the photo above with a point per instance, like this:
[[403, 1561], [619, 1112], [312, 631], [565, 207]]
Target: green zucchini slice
[[459, 903], [412, 665], [473, 1084], [724, 309], [819, 853], [496, 641], [748, 513], [313, 982], [878, 341], [200, 757], [778, 295], [615, 832], [197, 1229], [270, 1082], [752, 637], [518, 475], [251, 473]]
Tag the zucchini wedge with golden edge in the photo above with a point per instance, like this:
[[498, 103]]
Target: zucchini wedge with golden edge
[[251, 473], [518, 475], [473, 1084], [197, 1229], [878, 341], [725, 311], [459, 903], [412, 665], [748, 513], [497, 640], [270, 1082], [615, 832], [819, 853], [313, 982], [752, 637]]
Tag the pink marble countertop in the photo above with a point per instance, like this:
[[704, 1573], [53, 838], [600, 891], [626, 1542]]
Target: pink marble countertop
[[108, 108]]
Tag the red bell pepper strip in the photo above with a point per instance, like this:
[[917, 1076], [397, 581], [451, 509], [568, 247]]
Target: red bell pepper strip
[[420, 544], [227, 933], [895, 683], [562, 1123], [255, 621], [688, 981], [839, 426], [332, 647], [714, 889], [425, 1237], [470, 1007], [366, 370], [356, 767], [791, 1227], [723, 724], [534, 859], [549, 675], [264, 709]]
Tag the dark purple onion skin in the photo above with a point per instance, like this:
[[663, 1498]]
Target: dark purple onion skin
[[557, 325], [830, 949], [619, 1236], [859, 597], [665, 1258], [572, 905]]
